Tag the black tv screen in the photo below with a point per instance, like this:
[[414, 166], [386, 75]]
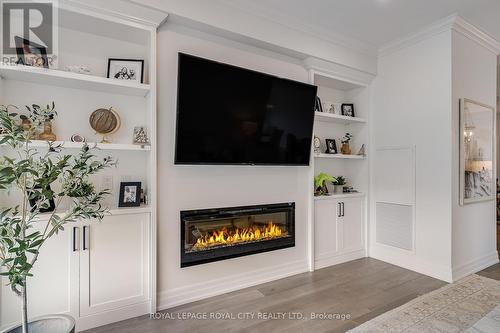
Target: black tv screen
[[231, 115]]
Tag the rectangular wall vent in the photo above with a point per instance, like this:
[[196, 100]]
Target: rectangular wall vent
[[395, 225]]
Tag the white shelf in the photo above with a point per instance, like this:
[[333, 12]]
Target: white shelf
[[114, 212], [340, 196], [72, 80], [335, 118], [340, 156], [79, 145]]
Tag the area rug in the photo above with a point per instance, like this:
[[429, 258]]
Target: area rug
[[451, 309]]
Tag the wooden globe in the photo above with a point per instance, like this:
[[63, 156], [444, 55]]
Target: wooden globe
[[105, 122]]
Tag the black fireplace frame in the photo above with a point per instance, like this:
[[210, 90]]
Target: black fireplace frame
[[216, 254]]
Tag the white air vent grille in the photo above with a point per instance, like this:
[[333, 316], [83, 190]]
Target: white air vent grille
[[395, 225]]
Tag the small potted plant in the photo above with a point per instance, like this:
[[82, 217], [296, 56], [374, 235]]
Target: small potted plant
[[30, 173], [320, 182], [338, 185], [43, 116], [346, 149]]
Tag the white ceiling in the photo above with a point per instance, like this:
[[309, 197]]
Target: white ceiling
[[374, 22]]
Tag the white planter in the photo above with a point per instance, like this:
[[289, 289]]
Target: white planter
[[47, 324]]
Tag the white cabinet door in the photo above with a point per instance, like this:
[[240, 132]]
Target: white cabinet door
[[326, 232], [351, 224], [114, 263], [52, 287]]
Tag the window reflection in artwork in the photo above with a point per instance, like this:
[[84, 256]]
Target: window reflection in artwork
[[477, 152]]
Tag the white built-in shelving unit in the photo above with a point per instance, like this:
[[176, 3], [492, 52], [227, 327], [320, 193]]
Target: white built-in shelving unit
[[113, 276], [337, 228]]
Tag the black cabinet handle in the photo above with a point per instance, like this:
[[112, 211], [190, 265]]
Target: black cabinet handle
[[339, 210], [343, 209], [75, 240], [85, 238]]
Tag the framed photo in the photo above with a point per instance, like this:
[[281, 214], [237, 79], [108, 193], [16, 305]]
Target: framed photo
[[477, 152], [30, 53], [348, 110], [126, 69], [331, 146], [130, 194], [317, 106]]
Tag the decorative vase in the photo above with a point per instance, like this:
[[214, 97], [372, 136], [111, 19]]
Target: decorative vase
[[26, 124], [47, 134], [345, 149], [338, 189]]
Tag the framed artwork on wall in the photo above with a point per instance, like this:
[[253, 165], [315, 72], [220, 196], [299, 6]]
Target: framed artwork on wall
[[477, 152]]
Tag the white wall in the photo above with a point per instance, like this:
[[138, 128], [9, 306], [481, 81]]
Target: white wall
[[474, 225], [258, 30], [412, 108], [191, 187]]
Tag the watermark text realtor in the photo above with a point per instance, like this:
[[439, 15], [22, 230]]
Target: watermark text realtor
[[29, 32]]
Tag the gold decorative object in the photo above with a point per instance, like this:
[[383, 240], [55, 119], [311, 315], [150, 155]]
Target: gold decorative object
[[345, 149], [105, 122], [47, 134]]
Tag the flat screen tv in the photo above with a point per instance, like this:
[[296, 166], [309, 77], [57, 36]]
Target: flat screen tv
[[231, 115]]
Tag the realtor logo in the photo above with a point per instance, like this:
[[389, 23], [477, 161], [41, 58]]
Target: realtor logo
[[29, 32]]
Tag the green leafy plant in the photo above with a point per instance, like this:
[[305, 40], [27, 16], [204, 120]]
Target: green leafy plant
[[31, 173], [320, 183], [39, 114], [339, 181]]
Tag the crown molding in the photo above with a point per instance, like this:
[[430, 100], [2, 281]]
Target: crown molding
[[92, 9], [339, 72], [472, 32], [451, 23]]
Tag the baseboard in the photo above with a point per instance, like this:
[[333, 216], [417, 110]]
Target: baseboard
[[113, 316], [409, 261], [195, 292], [474, 266], [326, 261]]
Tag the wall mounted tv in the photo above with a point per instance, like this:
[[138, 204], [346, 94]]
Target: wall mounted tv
[[231, 115]]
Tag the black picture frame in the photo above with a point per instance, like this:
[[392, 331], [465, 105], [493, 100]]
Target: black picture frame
[[331, 146], [317, 105], [33, 202], [130, 199], [110, 62], [25, 48], [348, 110]]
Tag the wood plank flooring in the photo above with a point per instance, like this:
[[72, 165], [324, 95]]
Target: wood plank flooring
[[361, 289]]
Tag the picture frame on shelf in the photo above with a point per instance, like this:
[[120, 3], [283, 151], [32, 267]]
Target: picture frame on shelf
[[30, 53], [130, 194], [50, 205], [317, 106], [477, 152], [348, 110], [331, 146], [126, 69]]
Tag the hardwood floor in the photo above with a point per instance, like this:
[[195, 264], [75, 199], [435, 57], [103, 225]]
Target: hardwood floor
[[361, 289]]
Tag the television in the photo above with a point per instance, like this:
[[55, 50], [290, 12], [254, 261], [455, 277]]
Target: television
[[231, 115]]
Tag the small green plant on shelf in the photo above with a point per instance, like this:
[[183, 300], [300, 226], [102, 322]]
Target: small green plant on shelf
[[31, 173], [338, 184], [320, 182]]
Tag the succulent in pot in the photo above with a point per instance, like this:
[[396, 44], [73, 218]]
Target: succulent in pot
[[338, 184]]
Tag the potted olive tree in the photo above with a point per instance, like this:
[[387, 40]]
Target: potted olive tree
[[41, 179]]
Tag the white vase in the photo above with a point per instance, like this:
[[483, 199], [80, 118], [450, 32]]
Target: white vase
[[46, 324]]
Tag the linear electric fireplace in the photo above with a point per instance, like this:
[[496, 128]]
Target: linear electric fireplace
[[223, 233]]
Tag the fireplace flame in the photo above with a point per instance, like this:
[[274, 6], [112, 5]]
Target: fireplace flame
[[238, 235]]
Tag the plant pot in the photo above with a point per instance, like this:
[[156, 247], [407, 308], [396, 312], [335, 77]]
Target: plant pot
[[47, 134], [46, 324], [338, 189]]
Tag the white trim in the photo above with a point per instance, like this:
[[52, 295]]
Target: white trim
[[337, 72], [190, 293], [453, 22], [401, 258], [327, 261], [474, 266]]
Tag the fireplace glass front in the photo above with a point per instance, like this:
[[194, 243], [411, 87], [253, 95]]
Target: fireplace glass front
[[223, 233]]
